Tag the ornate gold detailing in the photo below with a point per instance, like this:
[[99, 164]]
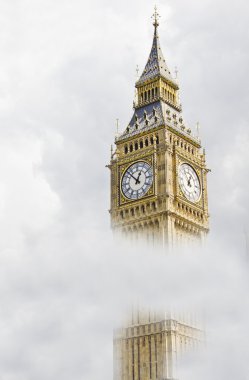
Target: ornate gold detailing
[[155, 16], [149, 159]]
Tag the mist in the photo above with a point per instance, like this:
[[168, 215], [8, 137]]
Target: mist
[[67, 71]]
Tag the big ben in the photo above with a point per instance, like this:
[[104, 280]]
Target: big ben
[[158, 168], [158, 196]]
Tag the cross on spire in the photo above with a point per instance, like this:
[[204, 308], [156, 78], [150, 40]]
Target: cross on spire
[[155, 16]]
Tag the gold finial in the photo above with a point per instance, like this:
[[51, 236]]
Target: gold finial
[[117, 126], [176, 72], [155, 16], [136, 93], [198, 130], [137, 72]]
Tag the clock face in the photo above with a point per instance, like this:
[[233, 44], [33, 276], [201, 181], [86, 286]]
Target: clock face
[[137, 180], [189, 182]]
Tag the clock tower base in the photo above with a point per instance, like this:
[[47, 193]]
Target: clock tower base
[[150, 347]]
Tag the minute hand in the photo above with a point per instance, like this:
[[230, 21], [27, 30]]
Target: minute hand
[[136, 179]]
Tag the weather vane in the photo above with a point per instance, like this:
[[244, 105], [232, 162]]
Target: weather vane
[[155, 16]]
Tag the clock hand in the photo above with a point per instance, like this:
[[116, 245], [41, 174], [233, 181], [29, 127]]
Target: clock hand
[[137, 180], [189, 184]]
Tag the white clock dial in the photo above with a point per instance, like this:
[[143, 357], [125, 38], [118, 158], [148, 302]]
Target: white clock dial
[[189, 182], [137, 180]]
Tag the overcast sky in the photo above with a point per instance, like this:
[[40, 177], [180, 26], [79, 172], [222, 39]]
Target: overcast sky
[[67, 71]]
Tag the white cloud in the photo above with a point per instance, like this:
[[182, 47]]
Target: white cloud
[[28, 205], [67, 72]]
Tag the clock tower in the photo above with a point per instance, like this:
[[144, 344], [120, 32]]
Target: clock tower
[[158, 167], [158, 195]]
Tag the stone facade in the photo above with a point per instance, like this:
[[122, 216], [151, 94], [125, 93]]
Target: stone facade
[[150, 347]]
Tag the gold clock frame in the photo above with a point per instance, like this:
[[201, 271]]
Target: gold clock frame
[[199, 179], [198, 170], [121, 171]]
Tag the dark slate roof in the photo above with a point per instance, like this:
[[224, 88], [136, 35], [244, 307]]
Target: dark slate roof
[[157, 113], [143, 119], [156, 64], [154, 115]]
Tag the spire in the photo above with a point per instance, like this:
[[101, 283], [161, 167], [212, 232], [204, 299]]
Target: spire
[[155, 16], [156, 64]]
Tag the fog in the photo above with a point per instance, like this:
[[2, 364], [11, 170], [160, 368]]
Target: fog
[[67, 71]]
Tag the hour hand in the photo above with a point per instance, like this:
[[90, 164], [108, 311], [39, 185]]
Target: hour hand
[[136, 179], [189, 184]]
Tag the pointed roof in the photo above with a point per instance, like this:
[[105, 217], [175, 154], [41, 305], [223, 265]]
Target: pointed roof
[[154, 115], [156, 64]]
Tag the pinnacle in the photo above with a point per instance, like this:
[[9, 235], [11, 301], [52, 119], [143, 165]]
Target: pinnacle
[[156, 64]]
